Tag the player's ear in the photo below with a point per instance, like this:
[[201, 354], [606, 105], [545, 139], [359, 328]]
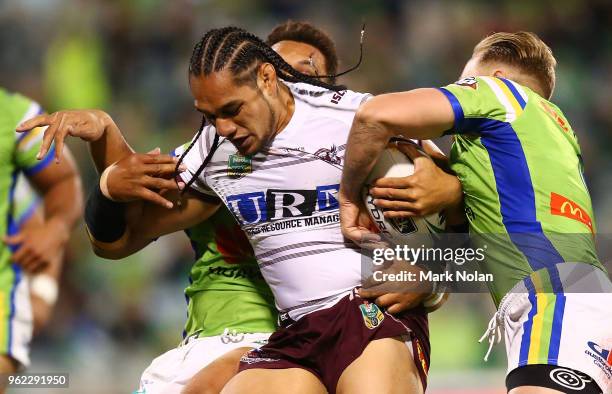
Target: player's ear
[[266, 78], [499, 74]]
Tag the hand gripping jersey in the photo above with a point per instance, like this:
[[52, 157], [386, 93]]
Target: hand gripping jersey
[[519, 163], [285, 199]]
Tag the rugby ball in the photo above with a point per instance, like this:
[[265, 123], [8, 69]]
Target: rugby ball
[[414, 231]]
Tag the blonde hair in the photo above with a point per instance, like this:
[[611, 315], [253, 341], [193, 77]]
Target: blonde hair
[[524, 50]]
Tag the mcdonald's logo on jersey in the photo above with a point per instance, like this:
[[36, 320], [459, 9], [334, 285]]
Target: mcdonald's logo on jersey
[[556, 117], [563, 206]]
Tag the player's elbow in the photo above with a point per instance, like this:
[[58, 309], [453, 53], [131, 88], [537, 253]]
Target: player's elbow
[[375, 115], [108, 254], [115, 250], [369, 114]]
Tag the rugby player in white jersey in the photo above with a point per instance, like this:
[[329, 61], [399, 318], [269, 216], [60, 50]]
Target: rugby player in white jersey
[[312, 52], [274, 158]]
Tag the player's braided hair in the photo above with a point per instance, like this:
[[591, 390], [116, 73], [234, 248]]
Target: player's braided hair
[[241, 52]]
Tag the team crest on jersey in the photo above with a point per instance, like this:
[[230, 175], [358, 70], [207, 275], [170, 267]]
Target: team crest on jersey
[[372, 315], [238, 166], [469, 82], [329, 155]]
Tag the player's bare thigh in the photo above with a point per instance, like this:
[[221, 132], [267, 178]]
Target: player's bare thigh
[[386, 366], [275, 381], [212, 378], [533, 390]]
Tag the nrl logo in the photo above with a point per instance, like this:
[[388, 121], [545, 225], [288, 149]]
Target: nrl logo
[[238, 166], [329, 155], [372, 315]]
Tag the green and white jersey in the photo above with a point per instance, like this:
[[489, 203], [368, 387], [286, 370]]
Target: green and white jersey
[[17, 156], [25, 201], [520, 166], [226, 288]]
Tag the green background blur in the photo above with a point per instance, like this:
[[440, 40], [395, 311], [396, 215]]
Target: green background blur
[[130, 58]]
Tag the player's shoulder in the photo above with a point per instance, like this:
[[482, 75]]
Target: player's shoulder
[[320, 97], [494, 88], [489, 97], [17, 104], [200, 141]]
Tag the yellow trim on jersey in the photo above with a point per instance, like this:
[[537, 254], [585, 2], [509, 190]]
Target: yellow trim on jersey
[[538, 320], [518, 110], [33, 136]]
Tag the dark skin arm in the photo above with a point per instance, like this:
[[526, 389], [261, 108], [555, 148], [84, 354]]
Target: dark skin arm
[[418, 114], [132, 178], [147, 174], [60, 187]]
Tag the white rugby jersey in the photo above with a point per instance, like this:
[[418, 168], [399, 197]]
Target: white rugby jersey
[[285, 199]]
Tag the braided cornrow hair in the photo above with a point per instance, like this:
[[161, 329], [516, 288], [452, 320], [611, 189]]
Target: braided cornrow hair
[[241, 52]]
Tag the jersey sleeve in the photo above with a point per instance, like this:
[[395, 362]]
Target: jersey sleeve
[[25, 201], [480, 102], [193, 159], [28, 144]]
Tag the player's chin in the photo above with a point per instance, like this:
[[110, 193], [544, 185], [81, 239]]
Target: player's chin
[[249, 147]]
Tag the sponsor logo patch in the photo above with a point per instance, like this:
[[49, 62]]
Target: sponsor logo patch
[[567, 378], [556, 117], [403, 225], [563, 206], [256, 356], [469, 82], [239, 166], [372, 315], [338, 96], [601, 356]]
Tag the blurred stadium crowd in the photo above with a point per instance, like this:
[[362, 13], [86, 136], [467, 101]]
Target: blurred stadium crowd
[[130, 58]]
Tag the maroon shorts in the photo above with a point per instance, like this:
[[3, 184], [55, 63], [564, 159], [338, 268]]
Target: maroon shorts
[[327, 341]]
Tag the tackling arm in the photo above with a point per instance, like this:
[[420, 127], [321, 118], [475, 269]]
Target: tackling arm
[[145, 222], [418, 114]]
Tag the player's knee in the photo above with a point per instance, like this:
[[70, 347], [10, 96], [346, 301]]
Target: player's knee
[[385, 366], [235, 385]]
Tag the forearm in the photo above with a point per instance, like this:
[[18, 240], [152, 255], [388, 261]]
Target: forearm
[[59, 212], [366, 141], [117, 230], [110, 147]]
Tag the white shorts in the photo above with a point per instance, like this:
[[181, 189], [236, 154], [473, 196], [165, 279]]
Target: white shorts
[[569, 329], [16, 315], [170, 372]]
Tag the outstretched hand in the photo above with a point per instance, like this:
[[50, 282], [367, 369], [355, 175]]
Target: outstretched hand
[[89, 125]]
